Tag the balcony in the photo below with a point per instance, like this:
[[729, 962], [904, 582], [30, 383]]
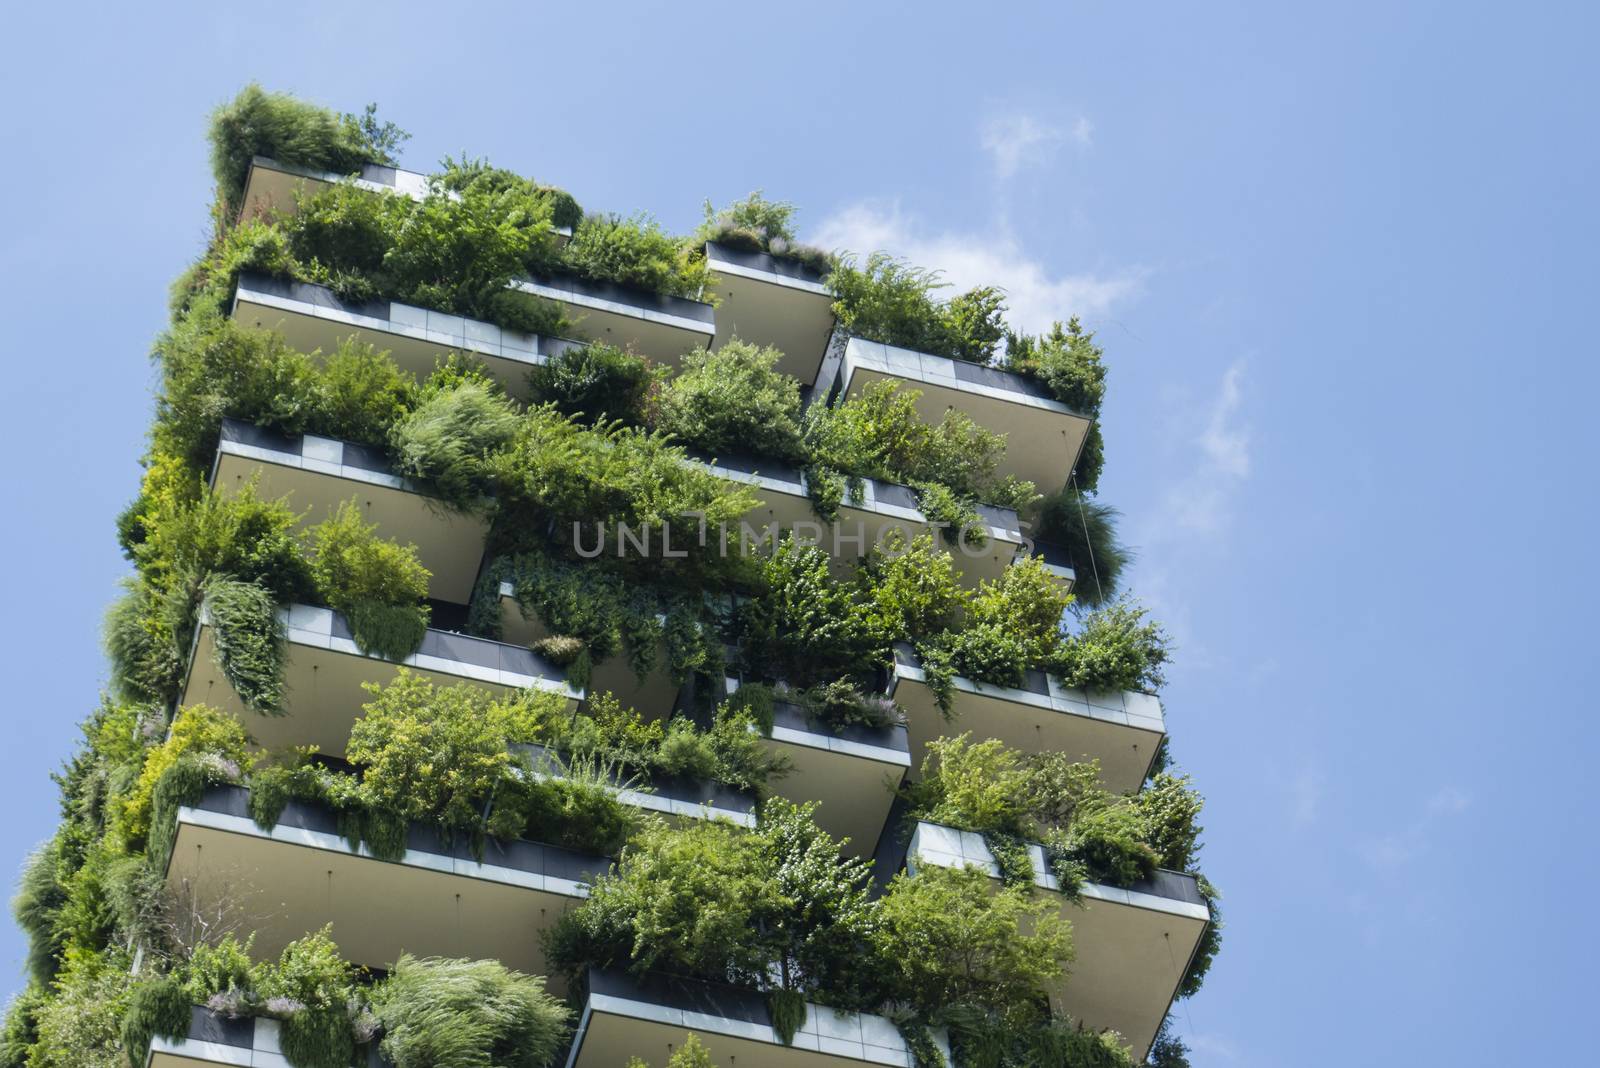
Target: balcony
[[622, 1017], [312, 317], [324, 672], [1132, 945], [770, 301], [851, 772], [1043, 435], [437, 900], [1057, 562], [884, 507], [653, 695], [677, 798], [655, 325], [1121, 730], [215, 1039], [317, 475], [273, 188]]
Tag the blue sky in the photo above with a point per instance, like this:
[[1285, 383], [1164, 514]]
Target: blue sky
[[1340, 259]]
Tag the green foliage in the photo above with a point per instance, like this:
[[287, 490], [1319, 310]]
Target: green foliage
[[37, 907], [293, 132], [690, 900], [218, 968], [974, 786], [249, 641], [1205, 954], [1087, 531], [806, 627], [476, 175], [987, 1039], [158, 1006], [947, 937], [634, 251], [1107, 842], [733, 400], [20, 1030], [317, 1038], [577, 810], [467, 1014], [836, 704], [198, 731], [707, 899], [146, 659], [1068, 363], [437, 753], [756, 224], [1168, 1050], [692, 1054], [1066, 360], [356, 394], [309, 972], [190, 536], [454, 252], [1170, 808], [788, 1011], [1026, 603], [768, 219], [583, 483], [448, 440], [1115, 648], [594, 380], [879, 433], [887, 300], [80, 1024], [378, 584]]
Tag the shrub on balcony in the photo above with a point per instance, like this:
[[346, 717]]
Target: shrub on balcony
[[1115, 648], [692, 1054], [476, 175], [1067, 362], [378, 585], [248, 639], [805, 628], [80, 1024], [711, 901], [1086, 530], [756, 224], [887, 300], [733, 400], [448, 441], [436, 754], [464, 1013], [1089, 833], [455, 253], [293, 132], [909, 590], [197, 731], [635, 251], [596, 380], [946, 937], [880, 434], [585, 484]]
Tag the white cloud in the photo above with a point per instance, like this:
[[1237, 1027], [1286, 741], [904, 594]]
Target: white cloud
[[1035, 296], [1202, 502], [1013, 140], [1083, 132]]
